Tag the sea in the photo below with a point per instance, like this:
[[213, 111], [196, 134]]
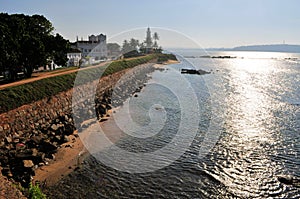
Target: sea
[[230, 133]]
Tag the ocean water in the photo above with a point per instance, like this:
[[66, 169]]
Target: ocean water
[[229, 134]]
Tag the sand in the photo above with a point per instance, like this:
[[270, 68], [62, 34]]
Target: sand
[[71, 154], [68, 157]]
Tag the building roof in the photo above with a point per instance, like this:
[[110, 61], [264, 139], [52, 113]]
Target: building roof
[[88, 42], [74, 50]]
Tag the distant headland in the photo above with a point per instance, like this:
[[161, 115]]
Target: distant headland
[[267, 48]]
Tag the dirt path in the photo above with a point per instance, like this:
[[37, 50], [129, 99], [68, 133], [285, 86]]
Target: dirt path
[[39, 76]]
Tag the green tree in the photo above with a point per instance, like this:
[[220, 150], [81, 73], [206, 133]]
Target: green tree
[[34, 45], [125, 46], [26, 42], [134, 43], [113, 47], [57, 49], [156, 38], [142, 48], [130, 49], [33, 54], [12, 28]]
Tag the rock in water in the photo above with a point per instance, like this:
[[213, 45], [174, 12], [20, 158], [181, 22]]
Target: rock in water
[[289, 180]]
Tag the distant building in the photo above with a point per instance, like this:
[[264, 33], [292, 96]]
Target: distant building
[[74, 57], [95, 47], [148, 39]]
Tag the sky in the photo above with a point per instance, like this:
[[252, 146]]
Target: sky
[[209, 23]]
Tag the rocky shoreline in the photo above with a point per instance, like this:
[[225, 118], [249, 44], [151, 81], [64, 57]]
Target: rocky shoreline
[[22, 153]]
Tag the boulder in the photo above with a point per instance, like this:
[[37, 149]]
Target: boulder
[[65, 139], [54, 127], [24, 154], [285, 179], [101, 109], [289, 180], [34, 152], [69, 129], [8, 139], [37, 139], [28, 163], [48, 147]]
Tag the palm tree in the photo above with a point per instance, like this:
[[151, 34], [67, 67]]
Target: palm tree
[[142, 47], [155, 37], [134, 43]]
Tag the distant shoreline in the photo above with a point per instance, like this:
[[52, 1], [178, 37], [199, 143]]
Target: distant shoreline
[[284, 48]]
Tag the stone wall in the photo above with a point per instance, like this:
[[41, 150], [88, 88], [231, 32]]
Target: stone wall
[[31, 134], [39, 114]]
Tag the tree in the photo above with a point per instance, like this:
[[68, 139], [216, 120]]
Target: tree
[[142, 48], [12, 29], [58, 48], [26, 42], [155, 37], [33, 54], [114, 50], [34, 48], [125, 46], [134, 43], [113, 47]]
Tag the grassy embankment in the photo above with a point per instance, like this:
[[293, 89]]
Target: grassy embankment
[[17, 96]]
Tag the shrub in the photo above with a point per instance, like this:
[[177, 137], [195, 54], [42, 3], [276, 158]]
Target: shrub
[[35, 192], [165, 57]]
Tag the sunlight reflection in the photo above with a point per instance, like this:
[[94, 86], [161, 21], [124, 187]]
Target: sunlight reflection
[[253, 65], [252, 103], [250, 118]]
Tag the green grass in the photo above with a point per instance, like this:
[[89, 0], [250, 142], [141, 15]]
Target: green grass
[[35, 192], [165, 57], [17, 96]]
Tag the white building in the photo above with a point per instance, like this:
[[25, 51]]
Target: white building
[[74, 57], [95, 48]]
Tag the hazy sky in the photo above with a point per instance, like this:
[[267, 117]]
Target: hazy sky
[[211, 23]]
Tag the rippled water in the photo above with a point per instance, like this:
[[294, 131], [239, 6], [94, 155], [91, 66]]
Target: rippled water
[[256, 100]]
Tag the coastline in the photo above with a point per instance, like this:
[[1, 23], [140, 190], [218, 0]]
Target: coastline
[[67, 159], [72, 154]]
